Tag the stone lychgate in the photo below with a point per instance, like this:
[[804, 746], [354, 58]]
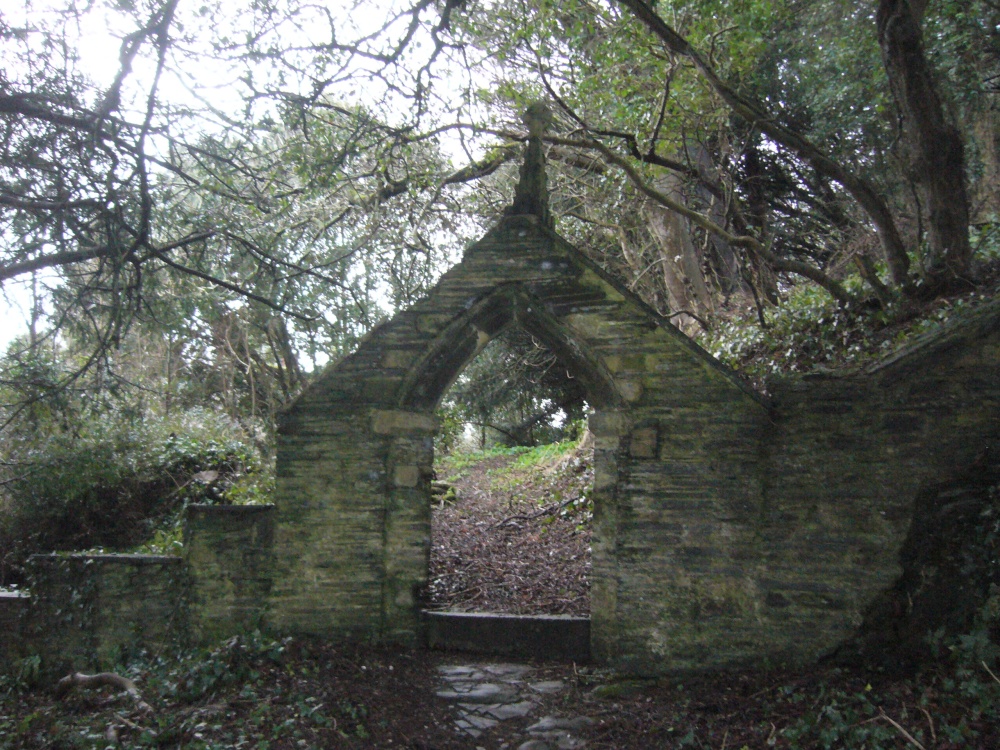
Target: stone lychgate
[[728, 527]]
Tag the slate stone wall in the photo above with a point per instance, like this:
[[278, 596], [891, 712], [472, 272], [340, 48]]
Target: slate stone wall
[[87, 610], [848, 457], [729, 528]]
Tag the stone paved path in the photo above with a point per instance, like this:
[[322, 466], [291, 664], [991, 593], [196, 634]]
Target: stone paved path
[[486, 694]]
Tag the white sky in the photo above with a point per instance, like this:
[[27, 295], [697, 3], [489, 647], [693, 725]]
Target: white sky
[[100, 33]]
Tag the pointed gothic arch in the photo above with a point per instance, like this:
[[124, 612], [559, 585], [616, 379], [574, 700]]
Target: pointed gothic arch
[[728, 528], [509, 305], [355, 450]]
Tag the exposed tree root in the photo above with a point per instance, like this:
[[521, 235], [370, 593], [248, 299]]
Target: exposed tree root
[[70, 681]]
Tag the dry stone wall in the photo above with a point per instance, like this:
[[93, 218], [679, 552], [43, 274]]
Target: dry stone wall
[[227, 551], [729, 528]]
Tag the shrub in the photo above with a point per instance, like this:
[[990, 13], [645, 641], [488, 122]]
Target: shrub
[[114, 482]]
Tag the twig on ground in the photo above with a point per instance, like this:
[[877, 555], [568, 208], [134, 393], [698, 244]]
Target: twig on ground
[[899, 728], [547, 510], [995, 678], [75, 679], [930, 723]]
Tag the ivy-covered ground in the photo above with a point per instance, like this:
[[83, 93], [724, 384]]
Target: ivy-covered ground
[[255, 692], [810, 331]]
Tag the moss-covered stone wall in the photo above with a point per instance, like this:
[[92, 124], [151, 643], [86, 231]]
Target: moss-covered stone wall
[[848, 457], [729, 527], [87, 611], [227, 551], [678, 460]]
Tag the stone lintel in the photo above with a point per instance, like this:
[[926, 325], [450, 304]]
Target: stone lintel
[[396, 422]]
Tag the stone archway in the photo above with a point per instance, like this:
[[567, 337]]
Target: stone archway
[[676, 472], [509, 305], [729, 528]]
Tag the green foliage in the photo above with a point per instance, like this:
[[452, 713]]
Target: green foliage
[[541, 455], [543, 468], [115, 482], [953, 699], [196, 675], [459, 460], [452, 427], [22, 675], [810, 331], [515, 392], [843, 719]]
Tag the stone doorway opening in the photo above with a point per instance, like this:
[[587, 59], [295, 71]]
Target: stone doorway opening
[[512, 504]]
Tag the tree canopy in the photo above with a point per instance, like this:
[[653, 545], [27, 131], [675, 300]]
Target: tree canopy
[[248, 189]]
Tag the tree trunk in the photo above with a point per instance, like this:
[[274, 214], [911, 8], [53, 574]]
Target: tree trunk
[[934, 149], [724, 261], [681, 263]]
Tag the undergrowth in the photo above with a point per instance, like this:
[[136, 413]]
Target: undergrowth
[[249, 691], [525, 457], [255, 691], [121, 484], [811, 331]]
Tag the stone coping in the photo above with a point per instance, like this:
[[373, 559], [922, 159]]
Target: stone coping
[[500, 615], [112, 557], [229, 509]]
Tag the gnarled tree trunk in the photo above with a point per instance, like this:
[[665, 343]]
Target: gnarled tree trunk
[[934, 147], [681, 262]]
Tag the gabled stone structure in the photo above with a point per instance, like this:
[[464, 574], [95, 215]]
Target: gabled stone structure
[[729, 528], [678, 441]]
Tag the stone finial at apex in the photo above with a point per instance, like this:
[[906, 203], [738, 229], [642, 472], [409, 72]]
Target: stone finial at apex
[[531, 196], [537, 118]]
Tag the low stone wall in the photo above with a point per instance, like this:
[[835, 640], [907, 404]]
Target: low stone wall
[[13, 606], [87, 611]]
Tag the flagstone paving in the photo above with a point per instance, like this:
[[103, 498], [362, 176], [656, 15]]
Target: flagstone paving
[[484, 695]]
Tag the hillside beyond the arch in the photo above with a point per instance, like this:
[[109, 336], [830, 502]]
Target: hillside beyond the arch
[[513, 535]]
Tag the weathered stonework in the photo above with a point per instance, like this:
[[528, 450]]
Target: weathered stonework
[[678, 442], [729, 528], [88, 610], [227, 551], [85, 611]]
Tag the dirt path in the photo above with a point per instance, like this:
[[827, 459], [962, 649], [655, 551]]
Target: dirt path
[[516, 539]]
